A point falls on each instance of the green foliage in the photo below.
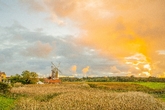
(16, 78)
(114, 79)
(70, 79)
(6, 103)
(4, 88)
(152, 85)
(26, 77)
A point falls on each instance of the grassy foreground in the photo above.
(87, 96)
(6, 103)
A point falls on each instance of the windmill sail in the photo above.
(55, 71)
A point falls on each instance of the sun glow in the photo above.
(146, 73)
(138, 64)
(147, 66)
(162, 75)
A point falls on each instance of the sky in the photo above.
(91, 38)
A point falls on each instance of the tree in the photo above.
(4, 88)
(34, 75)
(16, 78)
(26, 77)
(29, 77)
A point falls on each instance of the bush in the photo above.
(18, 84)
(4, 88)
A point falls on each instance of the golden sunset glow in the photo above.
(87, 54)
(162, 75)
(139, 64)
(124, 36)
(85, 70)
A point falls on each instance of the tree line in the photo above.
(26, 77)
(114, 79)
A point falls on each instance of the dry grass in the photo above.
(82, 97)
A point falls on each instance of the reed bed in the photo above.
(81, 97)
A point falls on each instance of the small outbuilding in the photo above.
(39, 82)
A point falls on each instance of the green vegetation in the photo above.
(158, 87)
(26, 77)
(152, 85)
(114, 79)
(4, 88)
(6, 103)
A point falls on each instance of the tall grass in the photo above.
(82, 97)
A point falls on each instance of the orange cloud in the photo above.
(139, 65)
(85, 70)
(136, 28)
(39, 49)
(114, 69)
(74, 68)
(117, 28)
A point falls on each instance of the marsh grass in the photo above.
(154, 88)
(46, 97)
(120, 87)
(81, 96)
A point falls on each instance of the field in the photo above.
(153, 85)
(88, 96)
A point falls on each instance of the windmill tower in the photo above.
(54, 78)
(55, 71)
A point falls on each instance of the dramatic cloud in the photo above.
(113, 69)
(85, 70)
(139, 65)
(23, 49)
(118, 28)
(74, 68)
(124, 37)
(38, 50)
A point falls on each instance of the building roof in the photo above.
(2, 73)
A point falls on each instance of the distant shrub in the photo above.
(18, 84)
(93, 85)
(4, 88)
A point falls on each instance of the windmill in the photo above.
(54, 78)
(55, 71)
